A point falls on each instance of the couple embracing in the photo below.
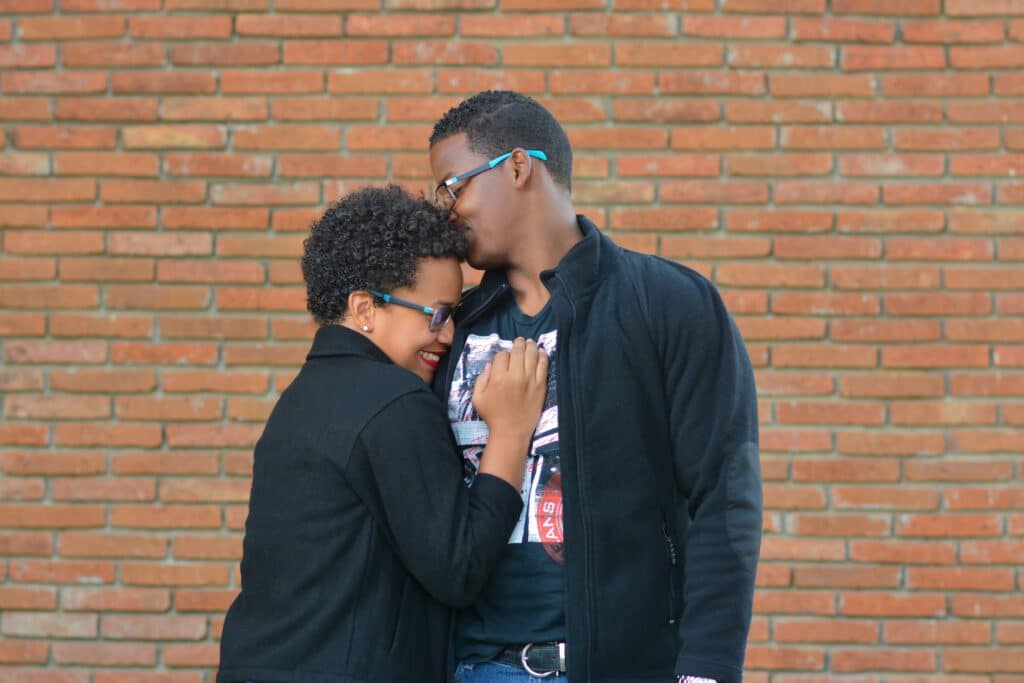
(553, 475)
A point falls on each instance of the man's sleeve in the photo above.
(409, 471)
(712, 407)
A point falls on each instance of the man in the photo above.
(649, 433)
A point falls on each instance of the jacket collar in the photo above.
(582, 267)
(337, 340)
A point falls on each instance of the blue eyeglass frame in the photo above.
(447, 184)
(439, 316)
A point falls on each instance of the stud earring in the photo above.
(366, 328)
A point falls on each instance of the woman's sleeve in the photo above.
(408, 469)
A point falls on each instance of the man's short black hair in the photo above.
(372, 239)
(498, 121)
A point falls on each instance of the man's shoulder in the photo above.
(656, 275)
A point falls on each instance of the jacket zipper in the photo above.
(673, 561)
(577, 422)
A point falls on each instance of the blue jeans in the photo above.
(492, 672)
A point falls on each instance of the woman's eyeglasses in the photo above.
(439, 316)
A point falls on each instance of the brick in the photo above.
(875, 576)
(845, 661)
(97, 54)
(61, 572)
(289, 356)
(207, 548)
(24, 435)
(34, 242)
(845, 525)
(226, 328)
(688, 248)
(23, 651)
(337, 53)
(178, 574)
(27, 56)
(769, 275)
(180, 136)
(822, 247)
(952, 526)
(104, 654)
(105, 164)
(901, 165)
(890, 385)
(984, 660)
(281, 83)
(857, 111)
(87, 352)
(50, 516)
(332, 109)
(54, 83)
(22, 324)
(65, 137)
(966, 8)
(663, 55)
(946, 32)
(214, 218)
(165, 516)
(40, 624)
(808, 85)
(839, 30)
(203, 490)
(180, 28)
(163, 82)
(825, 303)
(937, 304)
(160, 463)
(780, 7)
(153, 627)
(752, 27)
(107, 434)
(778, 112)
(825, 631)
(110, 380)
(890, 220)
(203, 271)
(105, 544)
(958, 471)
(163, 354)
(25, 109)
(189, 381)
(104, 326)
(868, 330)
(780, 164)
(757, 220)
(967, 384)
(260, 194)
(601, 82)
(950, 355)
(935, 632)
(591, 25)
(159, 244)
(830, 356)
(709, 83)
(162, 297)
(826, 192)
(794, 602)
(432, 25)
(226, 54)
(213, 436)
(31, 543)
(214, 109)
(30, 462)
(49, 407)
(787, 56)
(871, 604)
(70, 28)
(104, 217)
(774, 548)
(991, 552)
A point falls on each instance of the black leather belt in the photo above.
(537, 659)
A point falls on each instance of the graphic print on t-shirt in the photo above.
(541, 519)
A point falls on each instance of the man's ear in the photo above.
(362, 310)
(521, 165)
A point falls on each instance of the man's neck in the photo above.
(540, 250)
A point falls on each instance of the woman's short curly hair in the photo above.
(372, 239)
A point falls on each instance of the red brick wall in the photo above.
(845, 170)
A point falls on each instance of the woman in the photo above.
(360, 529)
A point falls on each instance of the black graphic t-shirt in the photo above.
(523, 601)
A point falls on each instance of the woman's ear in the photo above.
(362, 310)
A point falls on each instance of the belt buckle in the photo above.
(523, 660)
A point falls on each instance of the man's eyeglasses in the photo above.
(445, 193)
(439, 316)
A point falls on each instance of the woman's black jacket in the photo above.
(360, 528)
